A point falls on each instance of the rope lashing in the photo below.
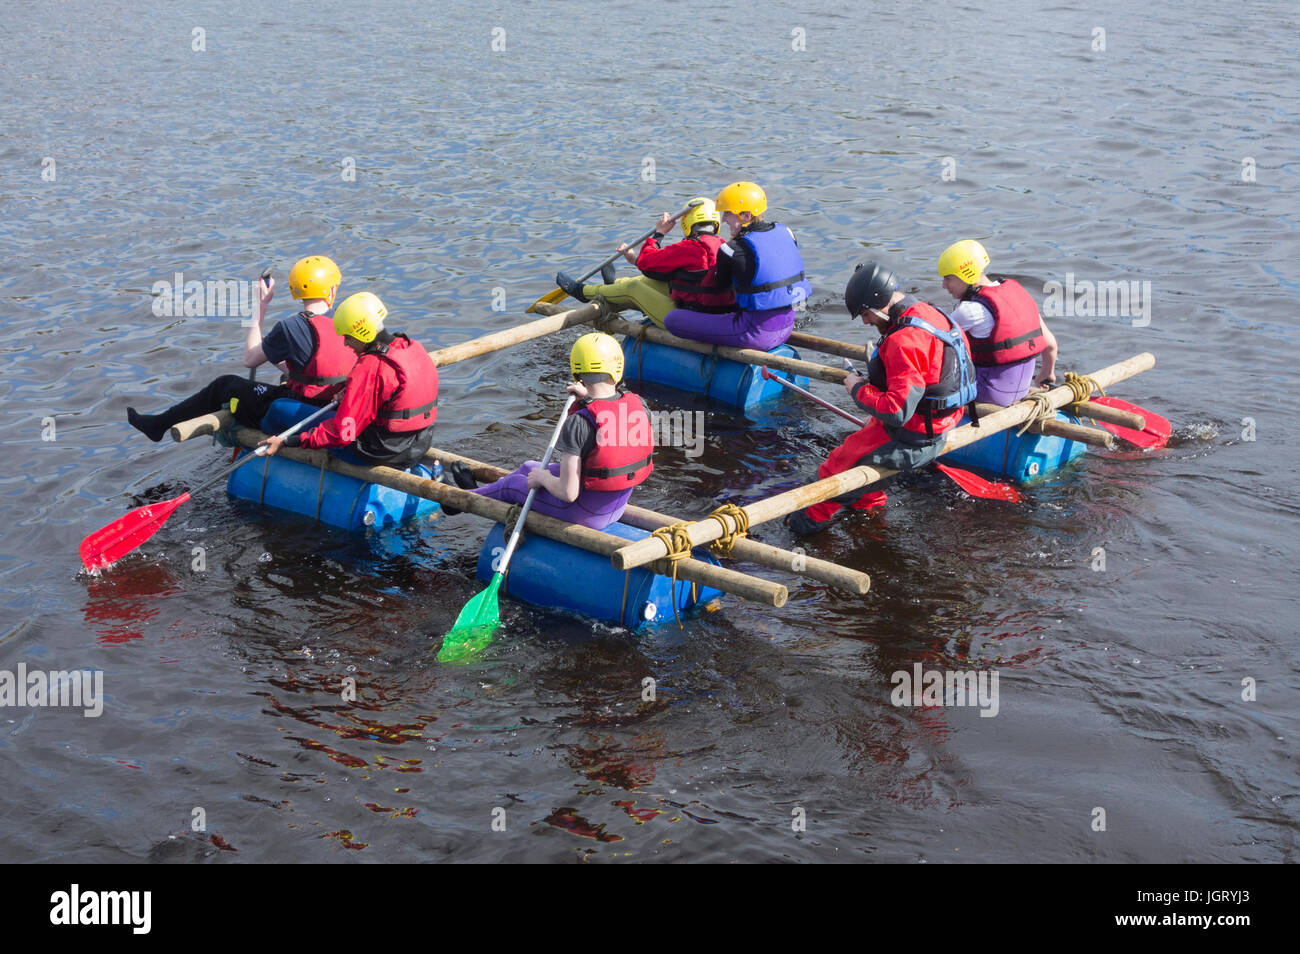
(1081, 386)
(712, 359)
(512, 518)
(677, 541)
(320, 486)
(738, 527)
(1043, 411)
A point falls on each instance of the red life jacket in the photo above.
(699, 289)
(1017, 330)
(414, 405)
(943, 380)
(625, 444)
(321, 378)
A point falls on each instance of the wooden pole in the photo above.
(856, 478)
(219, 420)
(199, 426)
(1111, 415)
(1092, 436)
(558, 321)
(614, 325)
(807, 342)
(695, 571)
(751, 551)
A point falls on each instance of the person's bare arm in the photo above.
(1047, 370)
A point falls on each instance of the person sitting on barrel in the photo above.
(1002, 322)
(918, 384)
(606, 447)
(763, 265)
(305, 346)
(390, 401)
(682, 275)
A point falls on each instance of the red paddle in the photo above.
(973, 484)
(1156, 433)
(109, 544)
(977, 486)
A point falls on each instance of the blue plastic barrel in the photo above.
(1019, 458)
(730, 382)
(331, 498)
(549, 573)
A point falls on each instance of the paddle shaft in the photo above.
(972, 484)
(812, 397)
(618, 255)
(261, 451)
(528, 501)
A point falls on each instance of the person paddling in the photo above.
(606, 447)
(763, 265)
(305, 346)
(681, 275)
(1001, 319)
(918, 384)
(390, 400)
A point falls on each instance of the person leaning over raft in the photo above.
(763, 264)
(390, 400)
(1002, 322)
(305, 346)
(606, 447)
(918, 383)
(681, 275)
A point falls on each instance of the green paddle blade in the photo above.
(474, 626)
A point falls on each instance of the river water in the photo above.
(451, 158)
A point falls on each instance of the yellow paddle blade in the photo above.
(552, 298)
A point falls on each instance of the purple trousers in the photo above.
(1004, 384)
(761, 330)
(596, 509)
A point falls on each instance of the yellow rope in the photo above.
(738, 527)
(1043, 410)
(1081, 386)
(512, 518)
(677, 541)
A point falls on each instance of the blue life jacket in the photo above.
(778, 280)
(956, 385)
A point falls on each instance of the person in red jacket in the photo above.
(676, 276)
(390, 401)
(304, 346)
(918, 383)
(606, 447)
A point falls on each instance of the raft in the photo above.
(1018, 458)
(555, 575)
(542, 572)
(333, 499)
(728, 382)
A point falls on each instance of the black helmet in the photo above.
(870, 286)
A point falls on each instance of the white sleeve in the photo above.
(974, 318)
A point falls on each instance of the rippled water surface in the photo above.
(1169, 156)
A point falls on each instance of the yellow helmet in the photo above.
(597, 353)
(360, 316)
(706, 211)
(965, 259)
(314, 277)
(742, 197)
